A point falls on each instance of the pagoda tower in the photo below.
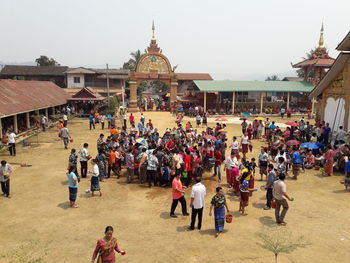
(316, 65)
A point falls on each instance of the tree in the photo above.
(279, 241)
(132, 62)
(311, 73)
(46, 61)
(272, 78)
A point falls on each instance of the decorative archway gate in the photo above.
(153, 65)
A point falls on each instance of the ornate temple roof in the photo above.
(319, 56)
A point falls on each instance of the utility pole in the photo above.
(107, 84)
(123, 96)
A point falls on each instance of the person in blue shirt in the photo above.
(140, 127)
(296, 159)
(272, 126)
(92, 121)
(72, 186)
(326, 133)
(109, 118)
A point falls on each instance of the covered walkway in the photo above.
(253, 92)
(22, 102)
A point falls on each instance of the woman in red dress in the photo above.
(329, 157)
(104, 251)
(250, 131)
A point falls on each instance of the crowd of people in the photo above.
(179, 157)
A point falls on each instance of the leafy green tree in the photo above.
(277, 241)
(132, 62)
(272, 78)
(46, 61)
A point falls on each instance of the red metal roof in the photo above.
(318, 62)
(193, 76)
(18, 96)
(86, 94)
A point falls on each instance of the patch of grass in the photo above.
(30, 251)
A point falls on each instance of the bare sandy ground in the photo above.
(37, 224)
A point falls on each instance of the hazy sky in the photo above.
(229, 38)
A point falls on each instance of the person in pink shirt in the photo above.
(178, 192)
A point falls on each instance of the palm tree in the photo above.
(132, 63)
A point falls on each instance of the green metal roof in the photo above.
(258, 86)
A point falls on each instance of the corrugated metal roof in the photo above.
(20, 70)
(193, 76)
(18, 96)
(259, 86)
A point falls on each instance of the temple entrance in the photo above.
(153, 95)
(153, 67)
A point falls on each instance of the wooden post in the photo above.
(28, 120)
(288, 94)
(15, 124)
(261, 102)
(0, 128)
(53, 111)
(205, 102)
(47, 113)
(233, 102)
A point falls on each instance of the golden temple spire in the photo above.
(321, 41)
(153, 28)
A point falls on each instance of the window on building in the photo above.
(76, 79)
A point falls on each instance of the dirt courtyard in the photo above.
(37, 224)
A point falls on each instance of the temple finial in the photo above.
(321, 41)
(153, 28)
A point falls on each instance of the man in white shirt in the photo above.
(11, 136)
(84, 156)
(65, 119)
(5, 172)
(281, 196)
(43, 122)
(197, 203)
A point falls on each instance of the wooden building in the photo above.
(96, 79)
(333, 92)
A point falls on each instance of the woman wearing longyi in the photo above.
(104, 251)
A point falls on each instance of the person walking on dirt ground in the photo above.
(72, 186)
(11, 137)
(92, 121)
(65, 136)
(5, 173)
(197, 203)
(178, 192)
(95, 182)
(281, 196)
(73, 162)
(84, 156)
